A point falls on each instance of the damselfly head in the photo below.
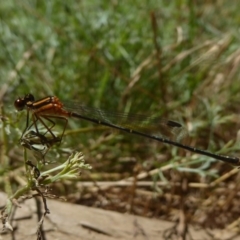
(20, 103)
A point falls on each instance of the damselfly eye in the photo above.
(20, 104)
(29, 98)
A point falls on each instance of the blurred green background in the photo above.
(179, 59)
